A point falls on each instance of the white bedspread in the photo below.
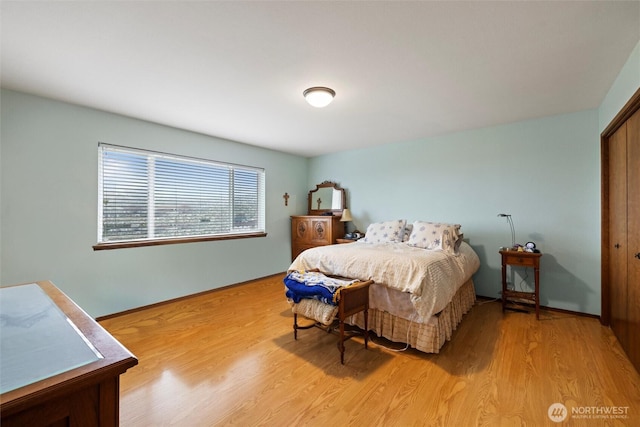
(431, 277)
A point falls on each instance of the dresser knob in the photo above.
(637, 255)
(617, 246)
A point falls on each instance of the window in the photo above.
(146, 197)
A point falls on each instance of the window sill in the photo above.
(158, 242)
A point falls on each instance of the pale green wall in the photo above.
(544, 172)
(49, 209)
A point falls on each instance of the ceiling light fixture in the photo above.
(319, 96)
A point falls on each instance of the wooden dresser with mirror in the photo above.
(321, 226)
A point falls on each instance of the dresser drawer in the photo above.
(312, 231)
(309, 231)
(523, 260)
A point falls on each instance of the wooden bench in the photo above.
(353, 299)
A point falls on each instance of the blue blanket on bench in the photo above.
(314, 285)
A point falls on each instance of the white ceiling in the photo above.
(401, 70)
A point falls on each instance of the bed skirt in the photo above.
(428, 337)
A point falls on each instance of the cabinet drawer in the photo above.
(524, 261)
(308, 231)
(316, 231)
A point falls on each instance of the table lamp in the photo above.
(513, 231)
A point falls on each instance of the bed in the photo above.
(422, 275)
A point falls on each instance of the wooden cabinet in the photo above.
(621, 228)
(309, 231)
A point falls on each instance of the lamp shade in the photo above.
(346, 216)
(319, 96)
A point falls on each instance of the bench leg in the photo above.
(295, 326)
(341, 342)
(366, 328)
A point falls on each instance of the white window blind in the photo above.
(145, 195)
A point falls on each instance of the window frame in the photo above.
(155, 241)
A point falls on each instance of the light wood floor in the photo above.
(229, 358)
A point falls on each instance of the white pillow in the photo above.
(436, 235)
(388, 231)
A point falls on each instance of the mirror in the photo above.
(327, 197)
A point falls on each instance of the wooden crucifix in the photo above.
(286, 199)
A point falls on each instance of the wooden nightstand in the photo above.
(345, 240)
(522, 259)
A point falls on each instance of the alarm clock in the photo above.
(530, 247)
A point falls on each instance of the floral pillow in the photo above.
(436, 235)
(388, 231)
